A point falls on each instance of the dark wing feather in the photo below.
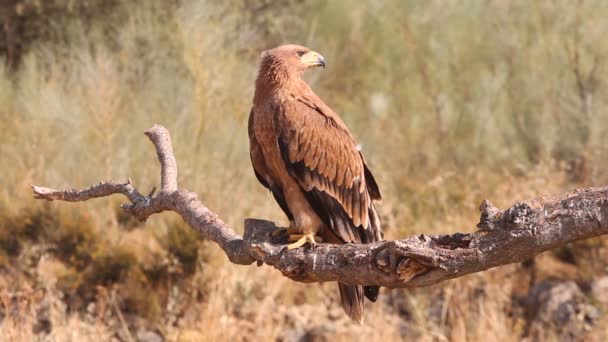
(321, 154)
(372, 186)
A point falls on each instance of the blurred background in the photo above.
(453, 102)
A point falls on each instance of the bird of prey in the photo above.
(305, 155)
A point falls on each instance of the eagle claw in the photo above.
(302, 239)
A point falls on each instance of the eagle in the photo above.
(302, 151)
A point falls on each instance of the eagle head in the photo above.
(293, 58)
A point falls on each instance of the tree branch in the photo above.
(503, 236)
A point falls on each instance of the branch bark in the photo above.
(503, 236)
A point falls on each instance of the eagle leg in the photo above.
(289, 231)
(296, 237)
(302, 239)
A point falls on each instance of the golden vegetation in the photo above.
(452, 102)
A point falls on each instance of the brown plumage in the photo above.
(303, 152)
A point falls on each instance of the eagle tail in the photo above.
(353, 297)
(353, 301)
(371, 292)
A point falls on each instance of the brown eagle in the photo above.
(303, 152)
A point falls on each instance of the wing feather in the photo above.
(322, 156)
(356, 202)
(261, 170)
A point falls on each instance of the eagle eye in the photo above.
(301, 53)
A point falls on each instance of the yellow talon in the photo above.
(301, 240)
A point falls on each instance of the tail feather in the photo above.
(353, 297)
(353, 301)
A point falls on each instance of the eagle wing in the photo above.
(261, 170)
(321, 154)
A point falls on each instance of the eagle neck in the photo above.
(278, 81)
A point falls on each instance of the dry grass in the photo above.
(452, 103)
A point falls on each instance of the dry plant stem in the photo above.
(503, 236)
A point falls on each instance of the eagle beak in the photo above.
(312, 59)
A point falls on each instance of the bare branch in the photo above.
(504, 236)
(161, 139)
(100, 190)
